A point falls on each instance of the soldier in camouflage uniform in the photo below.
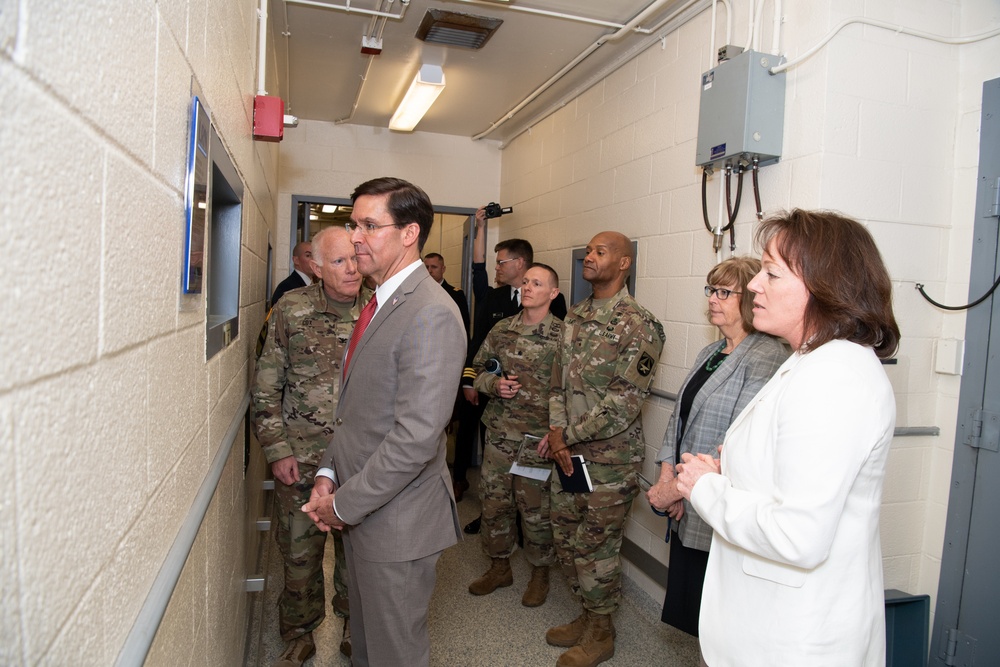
(525, 346)
(600, 379)
(294, 396)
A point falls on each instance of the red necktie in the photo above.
(367, 313)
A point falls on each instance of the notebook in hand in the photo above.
(527, 453)
(579, 481)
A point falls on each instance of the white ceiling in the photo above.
(320, 68)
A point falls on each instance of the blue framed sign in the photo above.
(196, 199)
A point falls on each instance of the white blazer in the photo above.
(795, 569)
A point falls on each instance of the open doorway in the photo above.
(451, 234)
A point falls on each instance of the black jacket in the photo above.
(291, 282)
(492, 305)
(458, 295)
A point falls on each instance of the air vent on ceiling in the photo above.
(453, 29)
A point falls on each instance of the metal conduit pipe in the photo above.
(712, 53)
(675, 20)
(775, 29)
(262, 47)
(545, 12)
(375, 30)
(887, 26)
(627, 28)
(353, 10)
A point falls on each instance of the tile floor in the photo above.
(495, 630)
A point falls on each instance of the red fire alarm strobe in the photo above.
(268, 118)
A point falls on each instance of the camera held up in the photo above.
(494, 210)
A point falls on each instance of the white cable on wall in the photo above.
(887, 26)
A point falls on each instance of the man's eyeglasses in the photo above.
(367, 228)
(504, 261)
(723, 294)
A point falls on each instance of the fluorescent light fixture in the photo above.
(425, 88)
(313, 216)
(329, 208)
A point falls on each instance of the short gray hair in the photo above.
(317, 241)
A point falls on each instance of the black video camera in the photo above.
(494, 210)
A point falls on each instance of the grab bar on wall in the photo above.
(140, 638)
(659, 393)
(900, 432)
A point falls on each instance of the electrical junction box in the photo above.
(268, 118)
(742, 111)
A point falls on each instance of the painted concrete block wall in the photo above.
(880, 126)
(330, 160)
(109, 413)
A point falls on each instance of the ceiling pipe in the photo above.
(672, 22)
(621, 32)
(353, 10)
(545, 12)
(375, 29)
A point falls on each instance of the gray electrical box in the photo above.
(742, 111)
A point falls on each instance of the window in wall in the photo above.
(224, 231)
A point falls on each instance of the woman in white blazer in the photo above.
(795, 569)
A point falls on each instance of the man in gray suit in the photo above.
(386, 483)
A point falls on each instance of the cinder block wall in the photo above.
(880, 126)
(109, 413)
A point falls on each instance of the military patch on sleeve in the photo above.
(642, 367)
(645, 365)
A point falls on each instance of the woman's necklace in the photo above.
(709, 365)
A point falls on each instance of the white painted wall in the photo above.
(880, 126)
(330, 160)
(109, 413)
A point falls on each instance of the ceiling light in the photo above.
(313, 216)
(329, 208)
(426, 86)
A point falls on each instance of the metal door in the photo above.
(968, 606)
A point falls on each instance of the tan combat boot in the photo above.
(298, 651)
(596, 645)
(498, 576)
(538, 587)
(569, 634)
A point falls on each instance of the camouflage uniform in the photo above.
(600, 379)
(294, 399)
(526, 351)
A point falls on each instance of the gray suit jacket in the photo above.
(388, 446)
(723, 396)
